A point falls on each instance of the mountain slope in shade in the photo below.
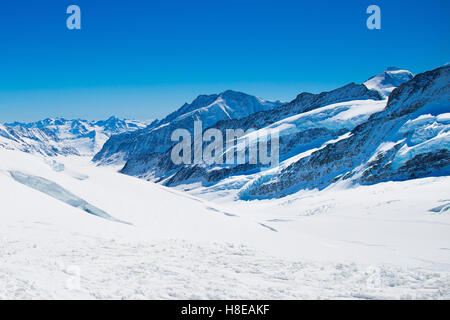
(65, 137)
(388, 80)
(156, 138)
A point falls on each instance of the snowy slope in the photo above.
(138, 202)
(327, 244)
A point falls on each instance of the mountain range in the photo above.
(156, 138)
(340, 222)
(58, 136)
(395, 126)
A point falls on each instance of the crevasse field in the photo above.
(72, 230)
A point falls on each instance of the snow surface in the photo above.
(390, 240)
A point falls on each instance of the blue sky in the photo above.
(144, 59)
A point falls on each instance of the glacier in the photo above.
(383, 241)
(56, 191)
(358, 207)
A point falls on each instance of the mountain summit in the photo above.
(155, 139)
(388, 80)
(212, 108)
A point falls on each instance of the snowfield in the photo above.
(386, 241)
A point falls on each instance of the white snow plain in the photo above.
(387, 241)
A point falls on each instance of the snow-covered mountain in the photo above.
(157, 165)
(346, 219)
(63, 137)
(388, 80)
(322, 140)
(303, 124)
(155, 139)
(348, 134)
(409, 139)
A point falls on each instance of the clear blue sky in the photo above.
(143, 59)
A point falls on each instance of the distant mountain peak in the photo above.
(53, 136)
(228, 104)
(209, 109)
(388, 80)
